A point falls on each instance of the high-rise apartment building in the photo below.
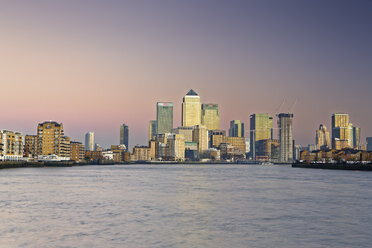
(236, 128)
(191, 109)
(356, 137)
(285, 125)
(153, 126)
(89, 141)
(210, 117)
(341, 130)
(124, 136)
(51, 139)
(322, 139)
(12, 146)
(261, 128)
(369, 143)
(164, 117)
(200, 135)
(30, 147)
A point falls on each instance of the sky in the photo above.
(94, 65)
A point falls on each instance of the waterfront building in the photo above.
(94, 156)
(200, 135)
(369, 143)
(210, 117)
(238, 142)
(65, 149)
(236, 128)
(185, 131)
(341, 134)
(141, 153)
(89, 141)
(275, 150)
(153, 126)
(124, 136)
(51, 139)
(11, 148)
(77, 151)
(322, 139)
(229, 152)
(191, 109)
(285, 124)
(261, 128)
(30, 146)
(164, 117)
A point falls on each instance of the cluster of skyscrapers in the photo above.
(198, 138)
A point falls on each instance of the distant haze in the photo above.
(94, 65)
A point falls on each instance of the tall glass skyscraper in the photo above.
(164, 117)
(153, 126)
(286, 137)
(191, 109)
(341, 130)
(236, 128)
(261, 128)
(210, 117)
(124, 136)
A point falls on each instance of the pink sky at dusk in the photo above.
(94, 66)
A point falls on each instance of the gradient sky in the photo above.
(96, 64)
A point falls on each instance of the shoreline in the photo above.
(334, 166)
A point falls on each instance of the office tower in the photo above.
(237, 142)
(89, 141)
(341, 131)
(285, 124)
(200, 135)
(124, 136)
(216, 137)
(369, 143)
(322, 139)
(77, 151)
(152, 129)
(30, 146)
(210, 117)
(50, 138)
(261, 128)
(191, 109)
(176, 146)
(236, 128)
(11, 145)
(164, 117)
(356, 137)
(185, 131)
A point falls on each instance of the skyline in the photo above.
(95, 66)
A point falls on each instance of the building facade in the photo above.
(285, 124)
(77, 151)
(89, 141)
(210, 116)
(124, 136)
(341, 131)
(30, 147)
(11, 148)
(322, 139)
(261, 128)
(236, 128)
(164, 117)
(200, 135)
(50, 139)
(153, 126)
(191, 109)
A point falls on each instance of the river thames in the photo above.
(185, 206)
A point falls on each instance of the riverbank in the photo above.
(334, 166)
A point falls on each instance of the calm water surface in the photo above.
(185, 206)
